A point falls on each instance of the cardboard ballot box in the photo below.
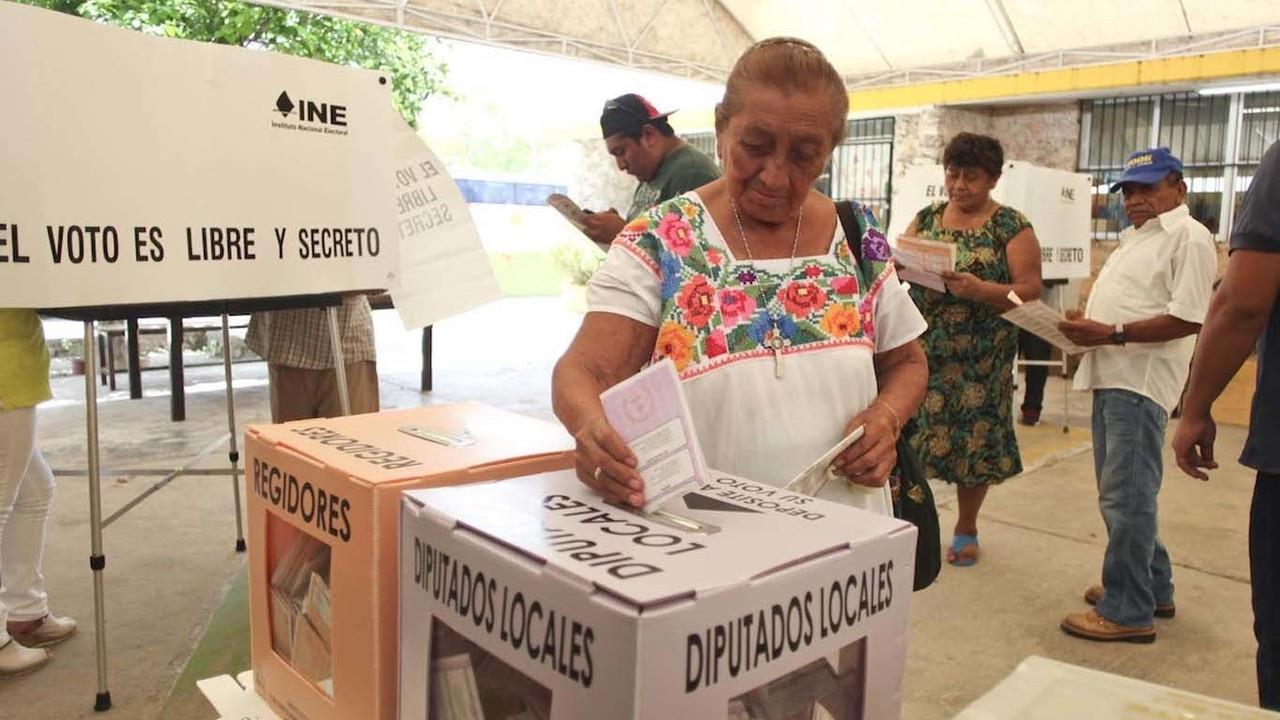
(324, 507)
(533, 599)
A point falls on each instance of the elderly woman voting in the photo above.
(784, 345)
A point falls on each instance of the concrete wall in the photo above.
(1047, 135)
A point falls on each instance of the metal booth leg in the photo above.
(233, 453)
(339, 362)
(97, 560)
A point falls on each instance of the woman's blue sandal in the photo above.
(958, 544)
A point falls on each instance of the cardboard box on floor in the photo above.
(1050, 690)
(324, 509)
(532, 599)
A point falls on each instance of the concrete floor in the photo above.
(171, 560)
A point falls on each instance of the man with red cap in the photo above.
(644, 145)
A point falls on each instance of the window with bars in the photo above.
(1220, 139)
(705, 142)
(860, 168)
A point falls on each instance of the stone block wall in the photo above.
(1045, 134)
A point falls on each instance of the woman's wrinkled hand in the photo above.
(871, 459)
(605, 463)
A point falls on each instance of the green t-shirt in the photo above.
(682, 170)
(24, 360)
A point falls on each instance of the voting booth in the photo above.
(533, 598)
(186, 177)
(1055, 201)
(1058, 204)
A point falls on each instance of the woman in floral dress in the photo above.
(964, 429)
(783, 343)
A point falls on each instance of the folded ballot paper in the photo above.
(812, 479)
(651, 414)
(301, 619)
(1038, 318)
(922, 261)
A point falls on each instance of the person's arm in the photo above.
(1023, 252)
(1237, 315)
(607, 349)
(1194, 266)
(1162, 328)
(901, 374)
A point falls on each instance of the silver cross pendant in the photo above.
(777, 343)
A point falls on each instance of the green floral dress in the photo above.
(964, 429)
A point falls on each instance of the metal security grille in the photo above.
(1219, 138)
(704, 141)
(860, 168)
(1259, 130)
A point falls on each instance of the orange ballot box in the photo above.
(324, 514)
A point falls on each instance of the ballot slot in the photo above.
(439, 436)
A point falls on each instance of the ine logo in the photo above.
(284, 105)
(311, 112)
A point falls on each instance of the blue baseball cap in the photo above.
(1148, 167)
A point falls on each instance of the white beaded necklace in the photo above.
(776, 342)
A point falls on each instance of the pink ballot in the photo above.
(650, 413)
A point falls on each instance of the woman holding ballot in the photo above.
(26, 496)
(964, 430)
(784, 344)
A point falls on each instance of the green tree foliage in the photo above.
(407, 58)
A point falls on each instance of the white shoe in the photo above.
(51, 631)
(16, 659)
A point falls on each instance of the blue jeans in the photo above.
(1128, 437)
(1264, 565)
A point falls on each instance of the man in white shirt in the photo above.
(1145, 307)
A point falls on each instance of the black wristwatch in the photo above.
(1117, 335)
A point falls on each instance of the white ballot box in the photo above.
(533, 598)
(1049, 690)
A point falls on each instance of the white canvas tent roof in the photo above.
(872, 42)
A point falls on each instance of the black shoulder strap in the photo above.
(849, 221)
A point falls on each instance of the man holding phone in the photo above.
(644, 145)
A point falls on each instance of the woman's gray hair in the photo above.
(790, 65)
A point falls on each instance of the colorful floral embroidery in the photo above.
(841, 320)
(717, 344)
(671, 267)
(676, 233)
(675, 342)
(736, 306)
(802, 298)
(715, 311)
(844, 285)
(698, 300)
